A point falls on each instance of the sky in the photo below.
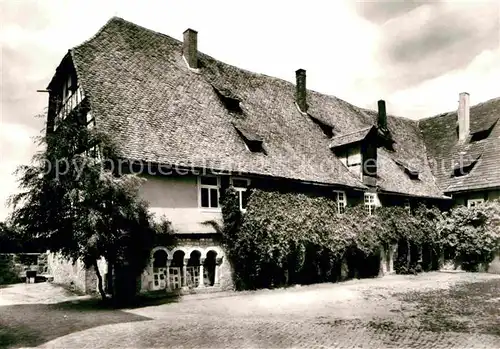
(416, 55)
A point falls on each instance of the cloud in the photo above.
(431, 40)
(418, 55)
(17, 146)
(380, 12)
(480, 78)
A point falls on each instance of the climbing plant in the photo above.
(285, 238)
(471, 236)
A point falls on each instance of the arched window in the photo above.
(209, 266)
(160, 259)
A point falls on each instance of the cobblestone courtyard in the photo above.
(359, 313)
(438, 310)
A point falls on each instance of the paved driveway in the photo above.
(359, 313)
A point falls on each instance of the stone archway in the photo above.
(177, 271)
(194, 270)
(210, 267)
(160, 272)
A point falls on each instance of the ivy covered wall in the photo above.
(287, 238)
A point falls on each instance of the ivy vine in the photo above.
(286, 238)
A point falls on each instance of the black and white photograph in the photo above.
(249, 174)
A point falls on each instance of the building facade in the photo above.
(196, 125)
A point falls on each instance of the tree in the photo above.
(9, 241)
(75, 200)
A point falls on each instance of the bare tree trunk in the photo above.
(99, 281)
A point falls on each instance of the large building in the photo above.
(194, 125)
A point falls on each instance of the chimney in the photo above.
(190, 48)
(301, 93)
(382, 116)
(463, 116)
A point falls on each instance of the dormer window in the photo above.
(482, 134)
(253, 141)
(358, 152)
(353, 160)
(411, 172)
(465, 167)
(230, 101)
(328, 130)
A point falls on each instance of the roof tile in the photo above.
(157, 109)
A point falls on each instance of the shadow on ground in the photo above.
(29, 325)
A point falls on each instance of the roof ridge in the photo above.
(188, 106)
(122, 20)
(116, 18)
(356, 131)
(494, 99)
(99, 31)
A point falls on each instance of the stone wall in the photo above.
(494, 266)
(67, 273)
(91, 282)
(14, 266)
(74, 275)
(226, 275)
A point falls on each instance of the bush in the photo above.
(471, 236)
(8, 274)
(286, 238)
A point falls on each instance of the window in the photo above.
(230, 101)
(353, 156)
(341, 201)
(66, 89)
(407, 205)
(253, 141)
(483, 134)
(328, 130)
(241, 187)
(352, 159)
(370, 202)
(474, 202)
(209, 191)
(464, 167)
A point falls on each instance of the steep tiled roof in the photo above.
(159, 110)
(350, 138)
(409, 148)
(248, 133)
(446, 151)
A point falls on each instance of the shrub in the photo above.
(285, 238)
(8, 274)
(471, 235)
